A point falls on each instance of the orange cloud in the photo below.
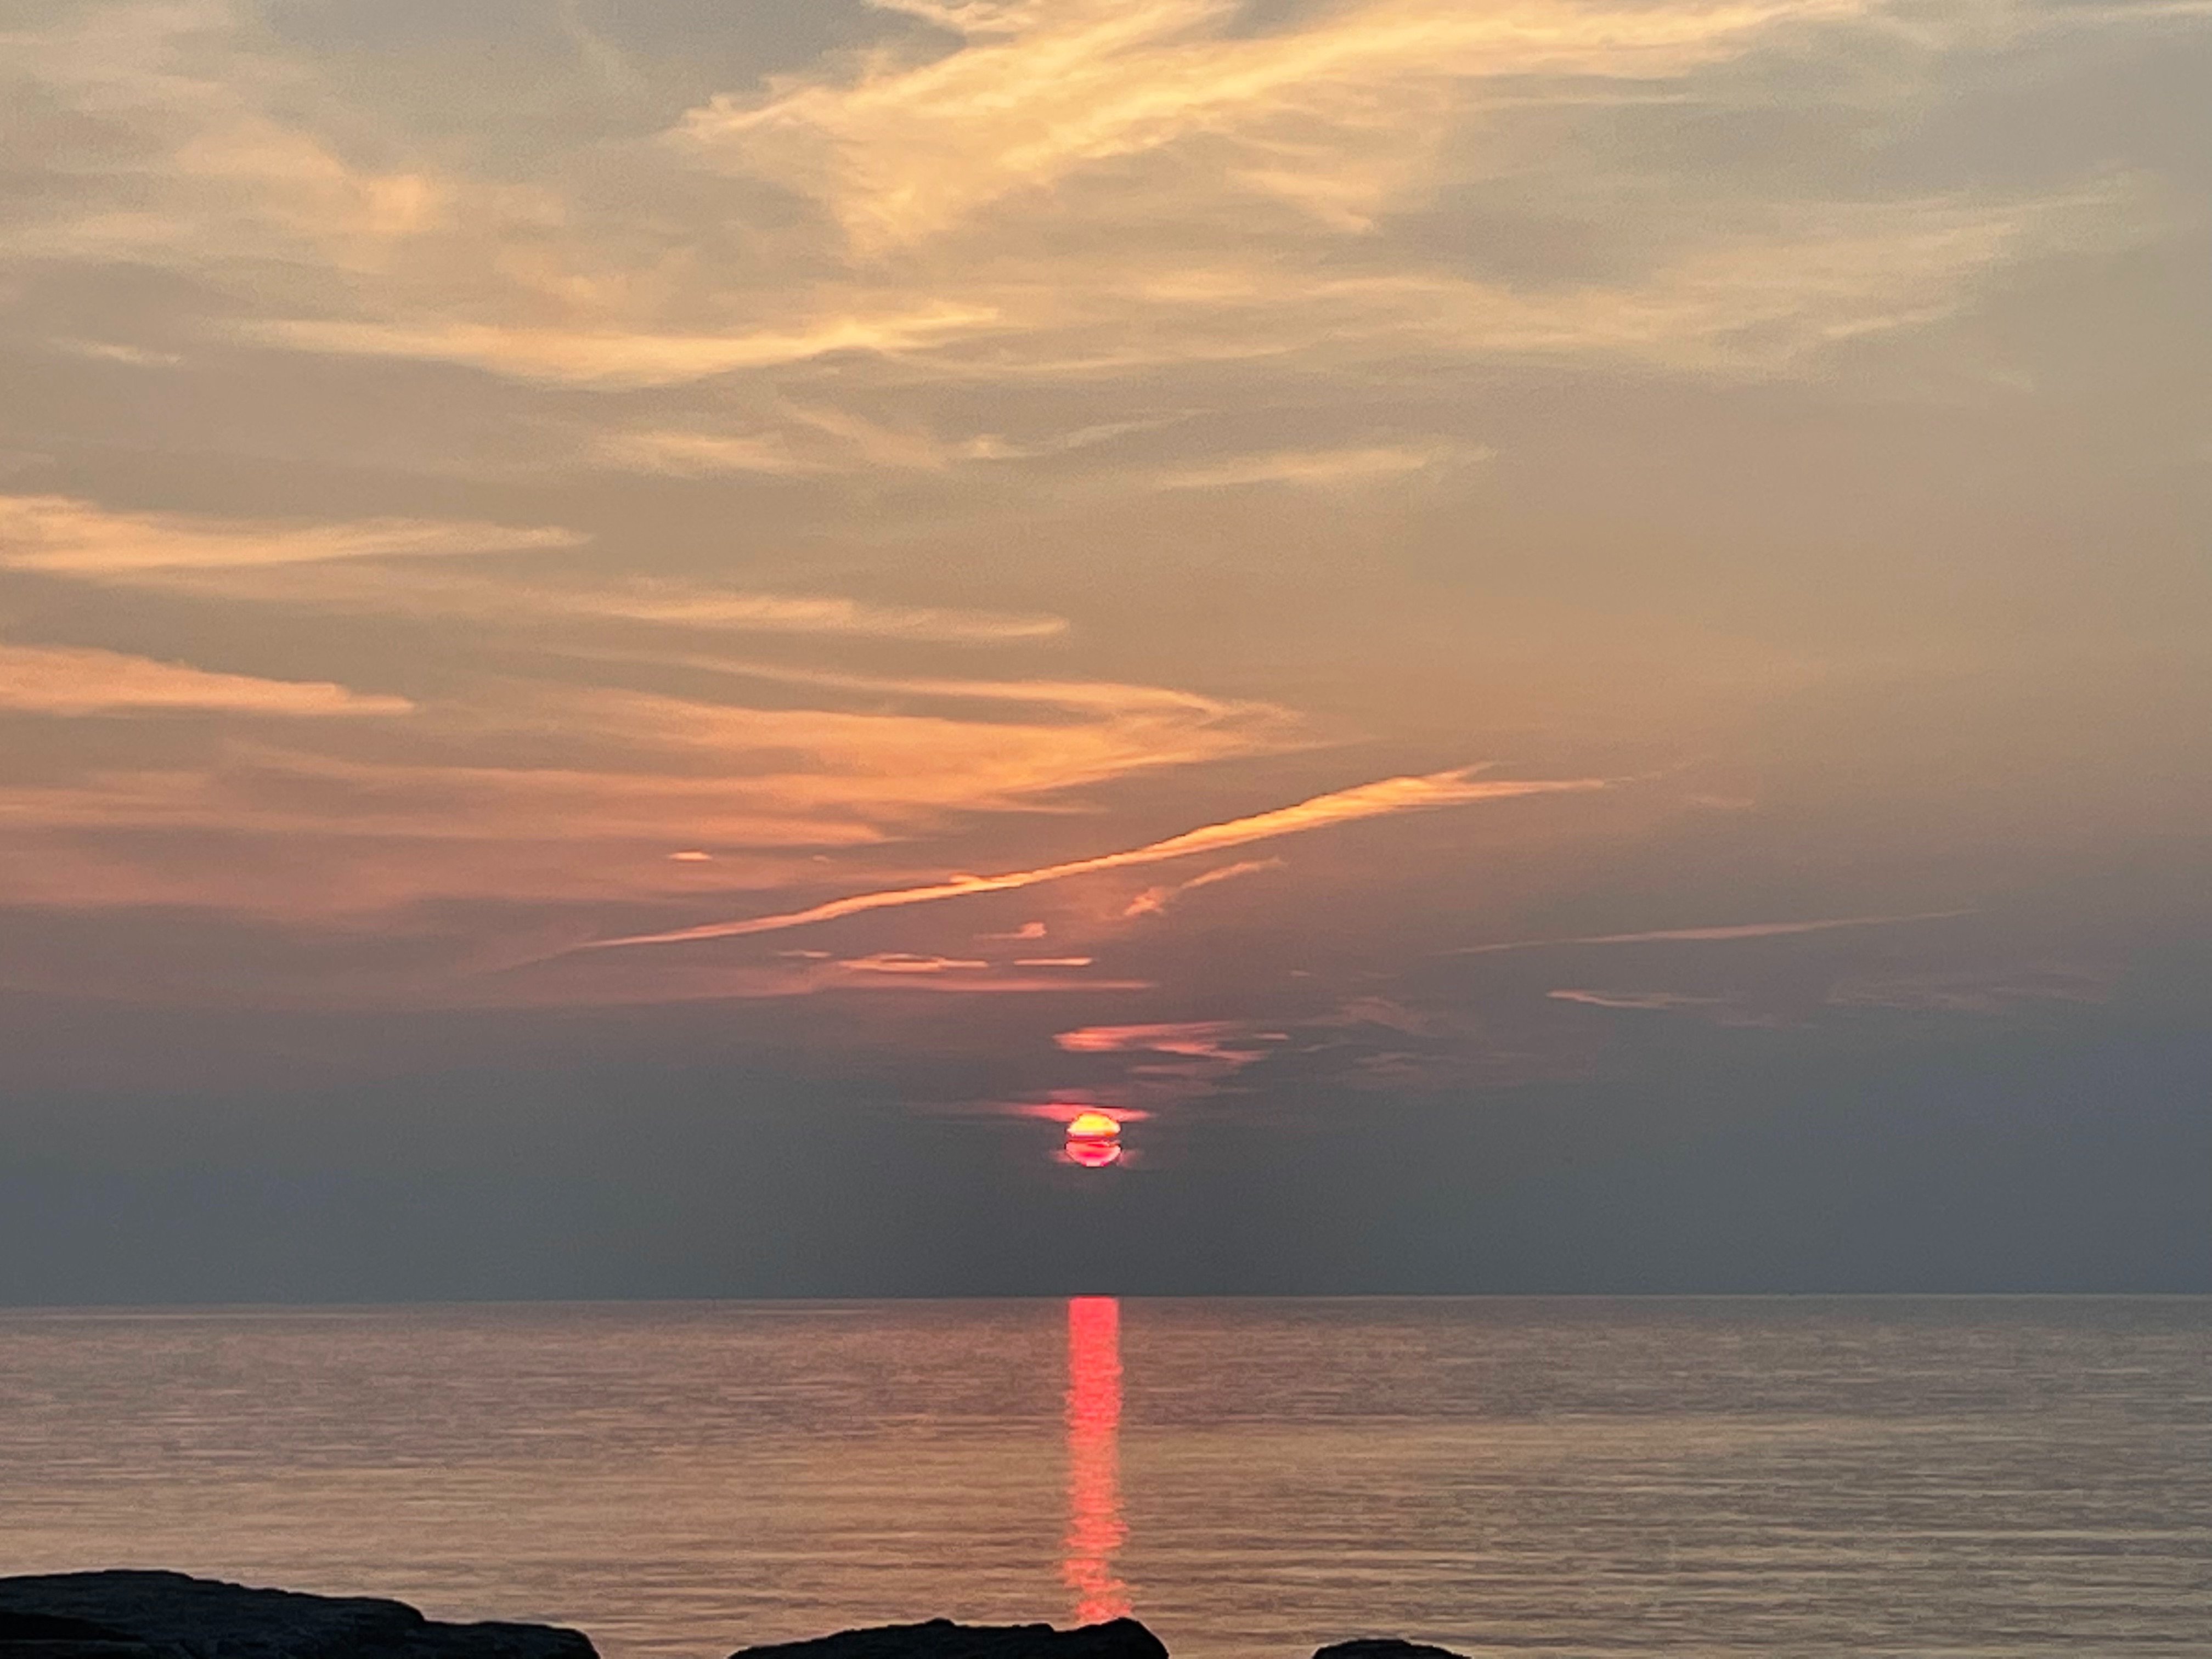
(77, 537)
(1384, 798)
(624, 358)
(901, 962)
(74, 680)
(1154, 901)
(1187, 1058)
(1197, 1039)
(324, 583)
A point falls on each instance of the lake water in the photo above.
(1708, 1478)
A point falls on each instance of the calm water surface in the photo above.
(1769, 1478)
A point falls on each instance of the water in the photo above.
(1706, 1478)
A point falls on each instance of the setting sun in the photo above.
(1093, 1140)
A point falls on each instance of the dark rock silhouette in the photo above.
(124, 1614)
(127, 1614)
(941, 1638)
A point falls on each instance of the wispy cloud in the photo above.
(696, 454)
(884, 764)
(334, 585)
(902, 151)
(582, 790)
(1155, 901)
(76, 680)
(1656, 1001)
(1016, 334)
(902, 962)
(1978, 990)
(1318, 469)
(618, 359)
(1173, 1060)
(76, 538)
(259, 790)
(1710, 935)
(1367, 801)
(1193, 1039)
(817, 439)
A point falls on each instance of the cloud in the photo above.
(1232, 872)
(1332, 117)
(1003, 268)
(264, 790)
(583, 792)
(1981, 990)
(201, 156)
(772, 613)
(76, 680)
(445, 594)
(570, 791)
(901, 962)
(1711, 935)
(814, 439)
(76, 538)
(1986, 989)
(1155, 901)
(1196, 1039)
(887, 764)
(660, 980)
(1131, 187)
(617, 359)
(1640, 999)
(699, 455)
(1383, 798)
(1324, 469)
(1178, 1060)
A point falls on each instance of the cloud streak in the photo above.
(1155, 901)
(76, 538)
(72, 680)
(623, 360)
(337, 585)
(1384, 798)
(1710, 935)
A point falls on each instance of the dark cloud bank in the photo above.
(1940, 1157)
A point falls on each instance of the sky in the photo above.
(1558, 647)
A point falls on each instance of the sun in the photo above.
(1094, 1140)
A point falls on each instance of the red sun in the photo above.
(1094, 1140)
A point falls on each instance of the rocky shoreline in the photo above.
(124, 1613)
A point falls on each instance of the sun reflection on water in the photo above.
(1095, 1529)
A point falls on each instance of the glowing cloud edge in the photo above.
(1383, 797)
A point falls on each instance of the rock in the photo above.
(941, 1638)
(1383, 1647)
(166, 1615)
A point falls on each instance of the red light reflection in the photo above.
(1095, 1531)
